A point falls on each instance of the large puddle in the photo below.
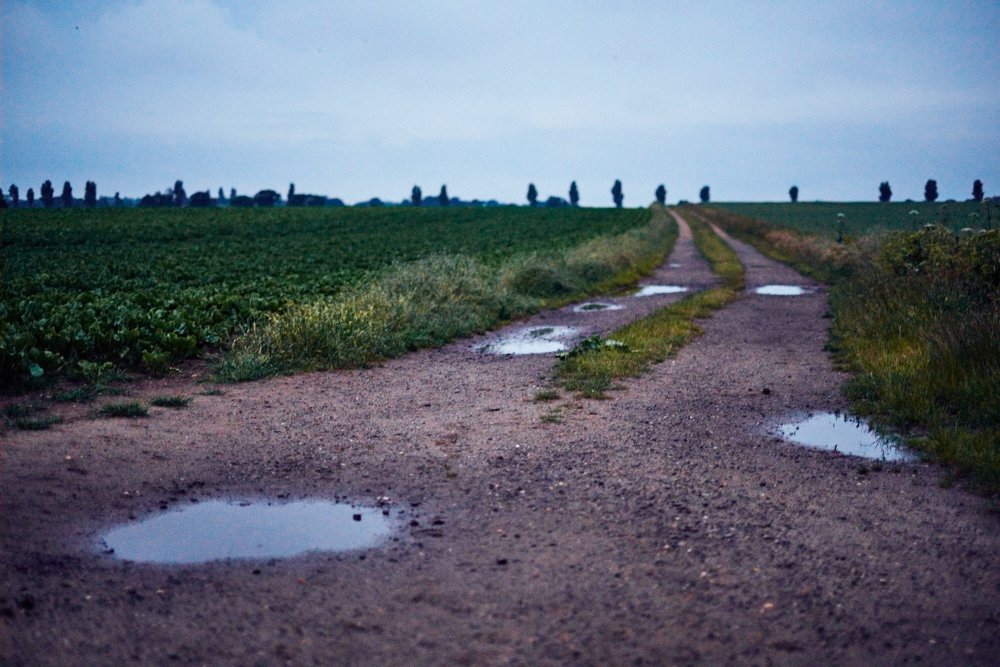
(847, 435)
(781, 290)
(652, 290)
(536, 340)
(592, 306)
(218, 530)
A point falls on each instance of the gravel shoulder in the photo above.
(668, 525)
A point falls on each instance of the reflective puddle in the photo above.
(847, 435)
(651, 290)
(536, 340)
(781, 290)
(218, 530)
(592, 306)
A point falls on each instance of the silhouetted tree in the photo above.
(977, 190)
(930, 190)
(416, 196)
(118, 200)
(616, 193)
(266, 198)
(222, 196)
(180, 197)
(90, 194)
(532, 194)
(556, 202)
(3, 200)
(201, 200)
(31, 198)
(793, 193)
(15, 196)
(884, 191)
(241, 201)
(291, 193)
(705, 194)
(443, 197)
(232, 193)
(67, 195)
(48, 194)
(574, 194)
(661, 194)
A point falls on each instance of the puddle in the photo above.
(781, 290)
(218, 530)
(675, 265)
(536, 340)
(651, 290)
(595, 306)
(847, 435)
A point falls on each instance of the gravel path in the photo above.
(667, 525)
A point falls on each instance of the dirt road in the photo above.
(667, 525)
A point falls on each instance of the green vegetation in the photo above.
(546, 395)
(917, 320)
(142, 288)
(433, 300)
(592, 366)
(170, 401)
(129, 409)
(24, 416)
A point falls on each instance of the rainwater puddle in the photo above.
(596, 306)
(781, 290)
(847, 435)
(536, 340)
(652, 290)
(218, 530)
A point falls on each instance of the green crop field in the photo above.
(860, 218)
(139, 288)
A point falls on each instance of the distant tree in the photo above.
(222, 196)
(201, 200)
(90, 194)
(443, 197)
(180, 197)
(616, 193)
(31, 198)
(705, 194)
(532, 194)
(930, 190)
(3, 200)
(67, 195)
(15, 196)
(884, 191)
(793, 193)
(266, 198)
(48, 194)
(574, 195)
(241, 201)
(416, 196)
(556, 202)
(661, 194)
(232, 193)
(291, 192)
(118, 200)
(977, 190)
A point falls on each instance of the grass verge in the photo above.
(916, 319)
(593, 366)
(434, 300)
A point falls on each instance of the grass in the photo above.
(916, 319)
(127, 409)
(547, 395)
(431, 301)
(24, 417)
(592, 368)
(170, 401)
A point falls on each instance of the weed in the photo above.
(213, 392)
(35, 424)
(547, 395)
(128, 409)
(170, 401)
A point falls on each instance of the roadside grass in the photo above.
(593, 366)
(25, 417)
(175, 402)
(127, 409)
(916, 319)
(431, 301)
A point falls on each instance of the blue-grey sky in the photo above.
(366, 98)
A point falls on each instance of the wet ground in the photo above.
(668, 525)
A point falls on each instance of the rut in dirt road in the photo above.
(667, 525)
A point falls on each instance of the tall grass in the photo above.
(917, 321)
(428, 302)
(592, 368)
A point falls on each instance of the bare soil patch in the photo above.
(665, 526)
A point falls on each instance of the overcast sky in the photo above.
(367, 98)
